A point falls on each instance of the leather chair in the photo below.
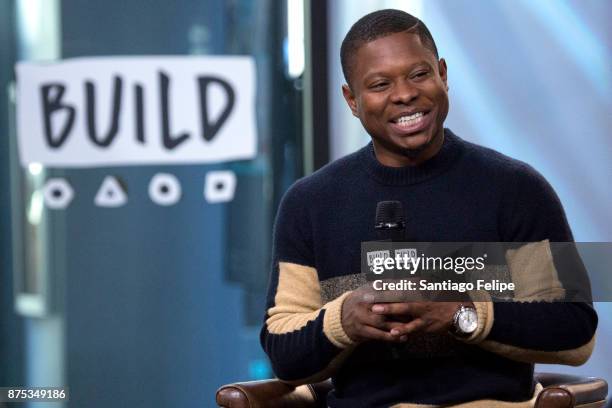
(560, 391)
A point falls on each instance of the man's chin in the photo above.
(413, 153)
(414, 145)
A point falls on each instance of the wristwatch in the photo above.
(465, 321)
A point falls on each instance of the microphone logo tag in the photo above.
(371, 256)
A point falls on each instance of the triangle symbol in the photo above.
(110, 193)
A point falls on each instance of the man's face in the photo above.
(399, 92)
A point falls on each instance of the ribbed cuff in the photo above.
(484, 309)
(332, 323)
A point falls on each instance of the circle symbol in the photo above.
(164, 189)
(57, 193)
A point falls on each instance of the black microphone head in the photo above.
(389, 215)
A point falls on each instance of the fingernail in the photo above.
(394, 332)
(403, 338)
(378, 308)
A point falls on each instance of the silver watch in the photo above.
(465, 321)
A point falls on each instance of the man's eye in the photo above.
(378, 85)
(420, 74)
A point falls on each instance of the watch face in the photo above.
(467, 321)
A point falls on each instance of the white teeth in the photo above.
(409, 120)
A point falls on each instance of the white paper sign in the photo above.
(105, 111)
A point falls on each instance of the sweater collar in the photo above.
(450, 151)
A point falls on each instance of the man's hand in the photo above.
(361, 324)
(427, 317)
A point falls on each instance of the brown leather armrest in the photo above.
(562, 390)
(272, 394)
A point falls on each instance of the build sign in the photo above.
(115, 111)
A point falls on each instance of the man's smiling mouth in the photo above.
(410, 122)
(410, 119)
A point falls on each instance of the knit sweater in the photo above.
(464, 193)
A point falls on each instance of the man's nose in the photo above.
(404, 92)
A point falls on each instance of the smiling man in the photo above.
(321, 320)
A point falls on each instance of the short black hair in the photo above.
(380, 24)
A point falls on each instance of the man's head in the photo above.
(380, 24)
(396, 85)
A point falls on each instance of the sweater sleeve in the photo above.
(540, 325)
(302, 337)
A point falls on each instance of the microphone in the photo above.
(389, 223)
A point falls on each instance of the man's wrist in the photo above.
(484, 308)
(332, 322)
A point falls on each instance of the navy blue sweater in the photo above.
(464, 193)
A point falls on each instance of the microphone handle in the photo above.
(392, 234)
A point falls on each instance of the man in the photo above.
(319, 324)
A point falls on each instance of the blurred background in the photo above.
(151, 306)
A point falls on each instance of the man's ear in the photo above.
(442, 68)
(349, 97)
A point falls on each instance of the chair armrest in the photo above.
(562, 390)
(272, 394)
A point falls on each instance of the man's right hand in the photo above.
(361, 324)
